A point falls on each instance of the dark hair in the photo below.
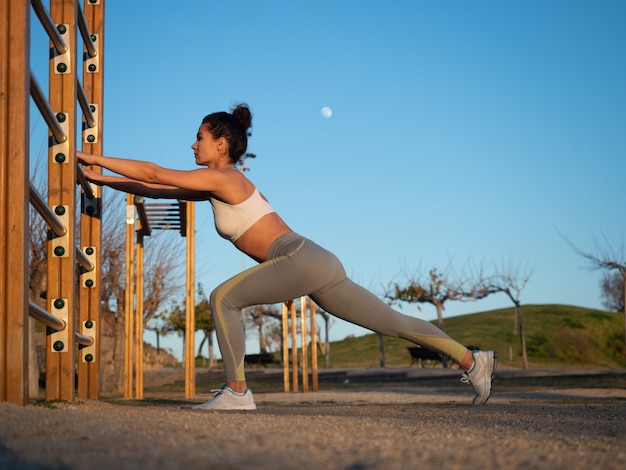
(233, 127)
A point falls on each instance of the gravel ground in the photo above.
(382, 428)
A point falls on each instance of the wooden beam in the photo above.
(91, 211)
(190, 320)
(14, 234)
(61, 362)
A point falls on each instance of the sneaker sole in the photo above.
(239, 408)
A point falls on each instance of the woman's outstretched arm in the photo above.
(139, 188)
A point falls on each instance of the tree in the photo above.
(605, 257)
(174, 320)
(438, 288)
(205, 323)
(612, 291)
(512, 282)
(258, 316)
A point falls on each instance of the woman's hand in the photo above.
(86, 158)
(93, 176)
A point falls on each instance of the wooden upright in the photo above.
(61, 348)
(190, 305)
(14, 118)
(91, 210)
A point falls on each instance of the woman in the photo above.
(289, 266)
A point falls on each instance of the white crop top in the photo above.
(232, 220)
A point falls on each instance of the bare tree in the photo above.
(438, 288)
(603, 256)
(512, 281)
(612, 291)
(164, 261)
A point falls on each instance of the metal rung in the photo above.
(46, 317)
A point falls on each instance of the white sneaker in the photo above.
(226, 399)
(481, 375)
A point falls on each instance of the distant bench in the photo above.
(419, 354)
(263, 359)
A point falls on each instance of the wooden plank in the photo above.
(294, 347)
(139, 285)
(285, 331)
(314, 376)
(129, 299)
(61, 365)
(190, 320)
(14, 131)
(91, 220)
(304, 350)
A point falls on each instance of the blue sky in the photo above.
(460, 131)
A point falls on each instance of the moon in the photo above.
(326, 112)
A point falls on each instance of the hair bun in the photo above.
(242, 113)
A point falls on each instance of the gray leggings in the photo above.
(295, 267)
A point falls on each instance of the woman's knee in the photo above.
(219, 299)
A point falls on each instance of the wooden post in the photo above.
(91, 213)
(138, 317)
(190, 320)
(294, 347)
(313, 346)
(304, 350)
(61, 290)
(285, 331)
(14, 154)
(129, 298)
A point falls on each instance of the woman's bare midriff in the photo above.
(256, 241)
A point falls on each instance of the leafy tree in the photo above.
(173, 320)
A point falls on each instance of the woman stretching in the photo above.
(290, 265)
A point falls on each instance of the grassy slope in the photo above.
(556, 336)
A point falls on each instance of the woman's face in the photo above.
(206, 149)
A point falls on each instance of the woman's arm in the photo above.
(139, 188)
(203, 180)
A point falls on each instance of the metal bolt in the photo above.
(58, 346)
(92, 67)
(61, 67)
(59, 251)
(59, 304)
(59, 210)
(90, 210)
(94, 38)
(88, 357)
(92, 108)
(61, 117)
(91, 139)
(89, 283)
(89, 250)
(61, 29)
(88, 324)
(59, 157)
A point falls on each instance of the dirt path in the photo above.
(385, 428)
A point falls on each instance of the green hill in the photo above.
(556, 336)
